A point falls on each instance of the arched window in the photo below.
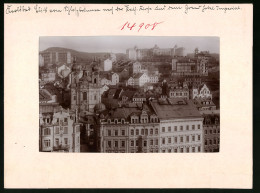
(95, 80)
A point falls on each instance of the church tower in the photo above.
(74, 84)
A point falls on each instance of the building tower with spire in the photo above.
(85, 87)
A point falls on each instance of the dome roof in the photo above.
(99, 107)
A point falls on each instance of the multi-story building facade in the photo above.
(130, 82)
(181, 126)
(132, 53)
(105, 81)
(56, 57)
(139, 54)
(114, 79)
(179, 92)
(184, 67)
(139, 97)
(204, 104)
(211, 129)
(107, 65)
(137, 67)
(153, 78)
(114, 132)
(143, 132)
(58, 132)
(48, 75)
(202, 60)
(129, 130)
(140, 79)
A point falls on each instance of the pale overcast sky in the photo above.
(119, 44)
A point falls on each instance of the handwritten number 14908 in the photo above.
(148, 26)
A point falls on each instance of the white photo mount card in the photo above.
(104, 82)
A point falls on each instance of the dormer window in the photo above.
(122, 121)
(109, 121)
(116, 121)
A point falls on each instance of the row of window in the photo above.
(181, 139)
(182, 150)
(212, 141)
(116, 144)
(85, 97)
(65, 120)
(143, 120)
(116, 121)
(144, 143)
(146, 151)
(59, 130)
(214, 131)
(181, 128)
(48, 120)
(144, 131)
(47, 142)
(115, 132)
(178, 94)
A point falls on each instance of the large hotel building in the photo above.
(165, 125)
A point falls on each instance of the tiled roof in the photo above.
(117, 93)
(199, 102)
(210, 112)
(44, 95)
(168, 111)
(128, 93)
(112, 91)
(139, 95)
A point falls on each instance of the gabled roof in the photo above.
(138, 75)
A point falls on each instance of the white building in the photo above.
(103, 89)
(59, 133)
(130, 81)
(107, 65)
(202, 92)
(114, 79)
(154, 78)
(137, 67)
(132, 53)
(181, 126)
(105, 81)
(41, 60)
(63, 71)
(113, 57)
(140, 79)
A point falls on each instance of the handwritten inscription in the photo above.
(79, 9)
(130, 26)
(11, 9)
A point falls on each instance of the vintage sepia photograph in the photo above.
(129, 94)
